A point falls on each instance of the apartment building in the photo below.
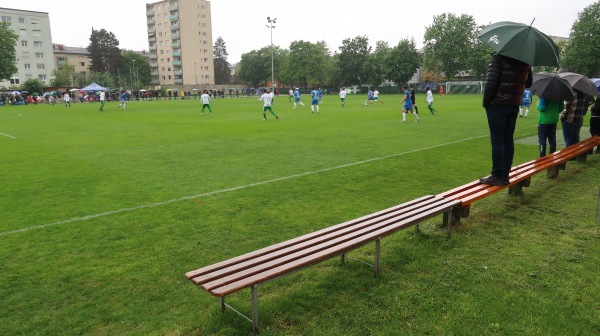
(34, 48)
(180, 42)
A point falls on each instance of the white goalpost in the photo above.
(464, 87)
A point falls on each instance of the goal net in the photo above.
(464, 87)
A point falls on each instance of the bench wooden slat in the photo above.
(307, 243)
(298, 240)
(329, 252)
(261, 264)
(474, 191)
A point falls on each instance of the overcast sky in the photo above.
(241, 24)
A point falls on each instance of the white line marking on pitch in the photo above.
(210, 193)
(6, 135)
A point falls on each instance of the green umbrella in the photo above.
(521, 42)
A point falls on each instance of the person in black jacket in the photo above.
(505, 82)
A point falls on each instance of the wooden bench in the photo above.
(270, 263)
(520, 177)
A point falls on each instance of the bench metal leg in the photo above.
(377, 249)
(255, 308)
(448, 219)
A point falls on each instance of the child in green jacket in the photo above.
(547, 120)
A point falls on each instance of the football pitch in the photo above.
(104, 212)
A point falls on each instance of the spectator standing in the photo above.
(506, 80)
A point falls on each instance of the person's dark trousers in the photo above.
(502, 121)
(570, 133)
(547, 132)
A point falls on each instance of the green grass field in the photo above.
(104, 212)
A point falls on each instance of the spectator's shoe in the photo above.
(493, 181)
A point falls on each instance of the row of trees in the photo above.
(450, 48)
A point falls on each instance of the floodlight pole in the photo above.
(271, 26)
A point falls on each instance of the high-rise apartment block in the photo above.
(180, 42)
(35, 58)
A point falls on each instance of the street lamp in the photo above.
(133, 82)
(271, 25)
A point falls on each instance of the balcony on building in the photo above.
(178, 81)
(154, 64)
(155, 82)
(151, 30)
(178, 72)
(150, 21)
(174, 17)
(151, 39)
(177, 53)
(154, 73)
(150, 12)
(175, 63)
(175, 36)
(153, 56)
(175, 26)
(153, 46)
(173, 8)
(176, 44)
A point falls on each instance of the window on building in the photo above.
(40, 66)
(42, 77)
(37, 33)
(27, 66)
(168, 51)
(26, 54)
(162, 69)
(37, 44)
(22, 32)
(168, 59)
(169, 77)
(82, 63)
(14, 81)
(7, 19)
(39, 55)
(35, 22)
(169, 69)
(163, 77)
(23, 43)
(21, 20)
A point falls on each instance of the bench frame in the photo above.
(268, 264)
(376, 226)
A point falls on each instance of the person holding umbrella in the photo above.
(553, 91)
(547, 120)
(508, 74)
(506, 80)
(572, 118)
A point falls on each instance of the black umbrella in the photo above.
(581, 83)
(551, 86)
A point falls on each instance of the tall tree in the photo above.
(8, 59)
(375, 67)
(136, 70)
(222, 71)
(253, 68)
(353, 55)
(105, 55)
(449, 43)
(402, 62)
(63, 75)
(582, 52)
(306, 63)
